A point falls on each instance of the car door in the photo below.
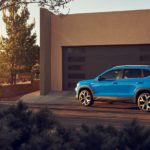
(107, 83)
(130, 80)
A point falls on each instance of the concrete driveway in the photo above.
(52, 98)
(71, 113)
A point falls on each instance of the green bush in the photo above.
(21, 129)
(134, 137)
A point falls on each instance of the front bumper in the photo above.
(76, 92)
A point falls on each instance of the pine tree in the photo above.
(20, 43)
(4, 68)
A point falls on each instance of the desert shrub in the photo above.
(98, 137)
(21, 129)
(134, 137)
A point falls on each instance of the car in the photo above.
(125, 82)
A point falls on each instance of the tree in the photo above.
(4, 67)
(20, 44)
(52, 5)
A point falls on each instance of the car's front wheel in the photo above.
(86, 98)
(143, 101)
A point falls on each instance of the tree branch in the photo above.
(52, 5)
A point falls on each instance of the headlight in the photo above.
(78, 84)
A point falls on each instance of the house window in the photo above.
(145, 58)
(77, 50)
(76, 67)
(76, 59)
(76, 76)
(72, 84)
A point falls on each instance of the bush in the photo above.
(21, 129)
(134, 137)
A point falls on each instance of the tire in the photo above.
(143, 101)
(86, 98)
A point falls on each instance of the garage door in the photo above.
(88, 61)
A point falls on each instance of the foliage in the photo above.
(19, 45)
(52, 5)
(4, 68)
(99, 137)
(21, 129)
(36, 71)
(134, 137)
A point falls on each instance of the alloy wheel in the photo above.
(144, 102)
(85, 97)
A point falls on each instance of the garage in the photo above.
(85, 62)
(81, 46)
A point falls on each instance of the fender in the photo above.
(85, 87)
(139, 90)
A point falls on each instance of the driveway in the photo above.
(71, 113)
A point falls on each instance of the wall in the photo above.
(45, 51)
(111, 28)
(9, 91)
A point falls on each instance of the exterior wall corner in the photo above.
(45, 54)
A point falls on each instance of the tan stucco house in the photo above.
(79, 46)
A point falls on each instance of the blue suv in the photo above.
(128, 82)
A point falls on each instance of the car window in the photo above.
(146, 73)
(132, 73)
(113, 74)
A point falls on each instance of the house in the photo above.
(81, 46)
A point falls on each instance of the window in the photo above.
(145, 57)
(75, 50)
(132, 73)
(145, 48)
(76, 76)
(146, 73)
(113, 74)
(76, 59)
(75, 67)
(72, 84)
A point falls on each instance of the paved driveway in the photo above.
(71, 113)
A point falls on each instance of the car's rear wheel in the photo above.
(86, 98)
(143, 101)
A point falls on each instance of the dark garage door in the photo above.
(88, 61)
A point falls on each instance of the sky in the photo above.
(85, 6)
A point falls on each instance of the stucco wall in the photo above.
(45, 51)
(112, 28)
(9, 91)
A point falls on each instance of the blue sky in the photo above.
(86, 6)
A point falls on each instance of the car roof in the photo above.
(132, 67)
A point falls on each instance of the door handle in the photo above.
(115, 83)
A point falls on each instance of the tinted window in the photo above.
(146, 73)
(132, 73)
(113, 74)
(76, 76)
(76, 67)
(145, 57)
(76, 59)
